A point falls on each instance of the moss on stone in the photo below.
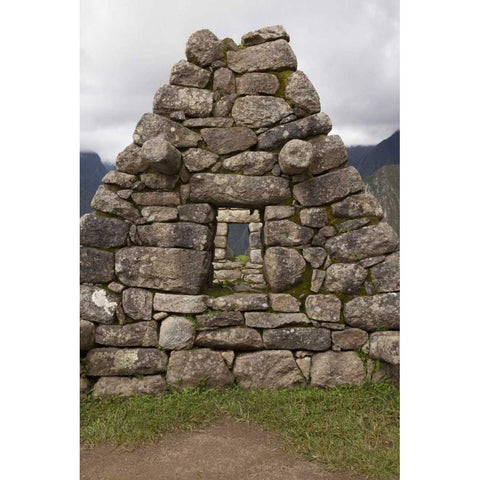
(282, 80)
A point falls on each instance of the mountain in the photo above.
(238, 239)
(368, 159)
(384, 184)
(92, 170)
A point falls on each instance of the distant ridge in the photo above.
(92, 170)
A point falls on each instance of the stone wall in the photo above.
(237, 136)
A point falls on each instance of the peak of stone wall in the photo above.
(237, 136)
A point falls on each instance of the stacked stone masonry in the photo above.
(238, 136)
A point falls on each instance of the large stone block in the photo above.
(274, 320)
(359, 205)
(257, 83)
(166, 302)
(137, 303)
(385, 346)
(96, 266)
(287, 233)
(310, 126)
(295, 157)
(87, 335)
(374, 313)
(345, 278)
(315, 256)
(283, 268)
(223, 82)
(152, 125)
(329, 187)
(193, 102)
(201, 367)
(279, 212)
(301, 94)
(297, 338)
(197, 159)
(130, 160)
(365, 242)
(128, 386)
(220, 319)
(204, 48)
(267, 370)
(328, 152)
(103, 232)
(265, 34)
(239, 302)
(250, 163)
(386, 275)
(238, 190)
(228, 140)
(325, 308)
(162, 156)
(163, 268)
(270, 56)
(108, 201)
(176, 333)
(283, 302)
(125, 361)
(188, 74)
(260, 111)
(330, 369)
(97, 304)
(159, 213)
(350, 338)
(179, 235)
(235, 338)
(141, 334)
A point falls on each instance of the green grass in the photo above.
(349, 429)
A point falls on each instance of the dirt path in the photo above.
(228, 449)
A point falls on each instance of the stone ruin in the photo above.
(237, 136)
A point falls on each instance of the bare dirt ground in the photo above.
(228, 449)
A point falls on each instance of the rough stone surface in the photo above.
(274, 320)
(159, 214)
(271, 56)
(265, 34)
(125, 361)
(283, 268)
(162, 156)
(250, 163)
(187, 74)
(223, 81)
(300, 93)
(279, 212)
(201, 367)
(267, 370)
(204, 48)
(374, 313)
(121, 179)
(166, 302)
(297, 338)
(87, 335)
(362, 243)
(328, 152)
(128, 386)
(385, 346)
(223, 106)
(315, 256)
(176, 333)
(315, 217)
(137, 303)
(238, 190)
(96, 266)
(360, 205)
(237, 338)
(197, 159)
(350, 225)
(257, 83)
(163, 268)
(199, 213)
(229, 140)
(309, 126)
(325, 308)
(295, 157)
(193, 102)
(330, 369)
(239, 302)
(386, 275)
(209, 122)
(140, 334)
(237, 215)
(220, 319)
(283, 302)
(156, 198)
(103, 232)
(179, 235)
(317, 280)
(152, 125)
(350, 339)
(108, 201)
(131, 161)
(159, 181)
(286, 232)
(345, 278)
(329, 187)
(97, 304)
(259, 111)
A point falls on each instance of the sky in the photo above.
(348, 48)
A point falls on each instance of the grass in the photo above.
(348, 428)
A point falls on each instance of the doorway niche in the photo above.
(243, 272)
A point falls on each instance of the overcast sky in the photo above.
(348, 48)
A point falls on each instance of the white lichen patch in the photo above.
(99, 298)
(125, 359)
